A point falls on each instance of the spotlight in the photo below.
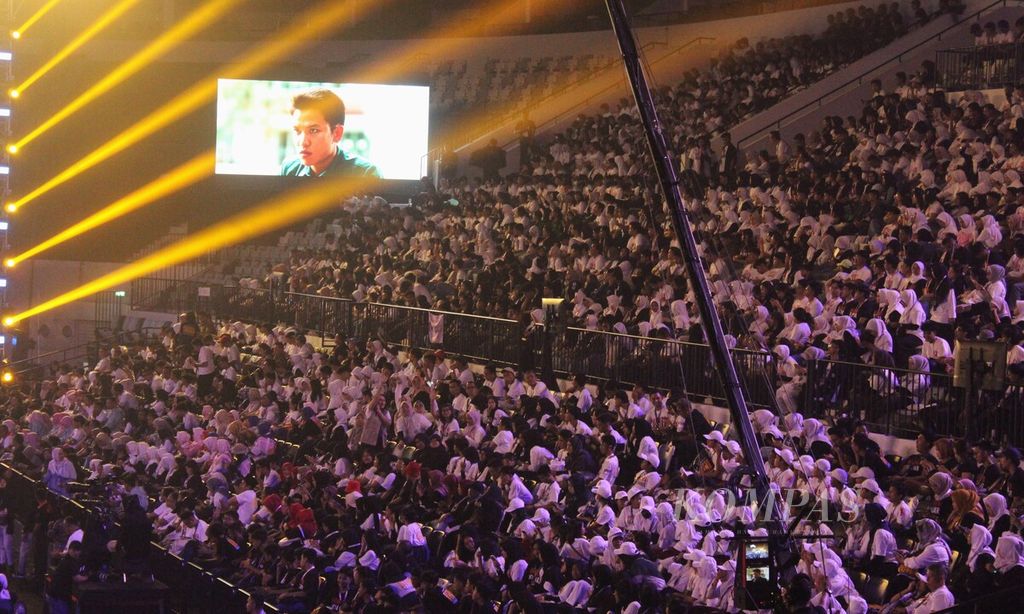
(9, 263)
(11, 208)
(15, 35)
(8, 377)
(14, 93)
(12, 148)
(9, 321)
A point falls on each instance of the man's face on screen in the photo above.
(314, 138)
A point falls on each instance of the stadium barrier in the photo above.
(981, 67)
(194, 589)
(893, 401)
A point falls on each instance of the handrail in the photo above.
(861, 365)
(35, 359)
(777, 124)
(612, 333)
(410, 308)
(157, 546)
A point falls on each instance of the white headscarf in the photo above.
(995, 503)
(980, 539)
(883, 339)
(1009, 552)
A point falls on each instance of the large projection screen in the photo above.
(260, 133)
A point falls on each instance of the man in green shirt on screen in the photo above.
(319, 123)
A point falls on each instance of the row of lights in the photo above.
(7, 73)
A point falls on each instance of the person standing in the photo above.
(69, 571)
(525, 130)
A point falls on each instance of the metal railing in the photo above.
(980, 67)
(903, 403)
(798, 112)
(168, 295)
(894, 401)
(88, 351)
(193, 588)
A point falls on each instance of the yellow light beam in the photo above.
(206, 14)
(282, 211)
(277, 213)
(464, 25)
(177, 179)
(318, 20)
(87, 35)
(195, 170)
(43, 10)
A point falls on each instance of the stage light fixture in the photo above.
(187, 174)
(8, 377)
(304, 30)
(13, 93)
(43, 10)
(9, 263)
(194, 22)
(12, 148)
(15, 34)
(9, 321)
(88, 34)
(11, 208)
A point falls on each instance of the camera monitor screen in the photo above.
(757, 562)
(302, 129)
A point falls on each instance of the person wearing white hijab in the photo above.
(997, 510)
(1009, 556)
(890, 301)
(788, 394)
(913, 316)
(883, 339)
(931, 547)
(473, 431)
(59, 471)
(841, 325)
(917, 270)
(760, 323)
(980, 539)
(991, 235)
(917, 380)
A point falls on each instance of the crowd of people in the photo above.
(360, 477)
(364, 478)
(879, 239)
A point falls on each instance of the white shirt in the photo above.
(248, 503)
(935, 350)
(935, 601)
(937, 552)
(609, 469)
(497, 387)
(206, 366)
